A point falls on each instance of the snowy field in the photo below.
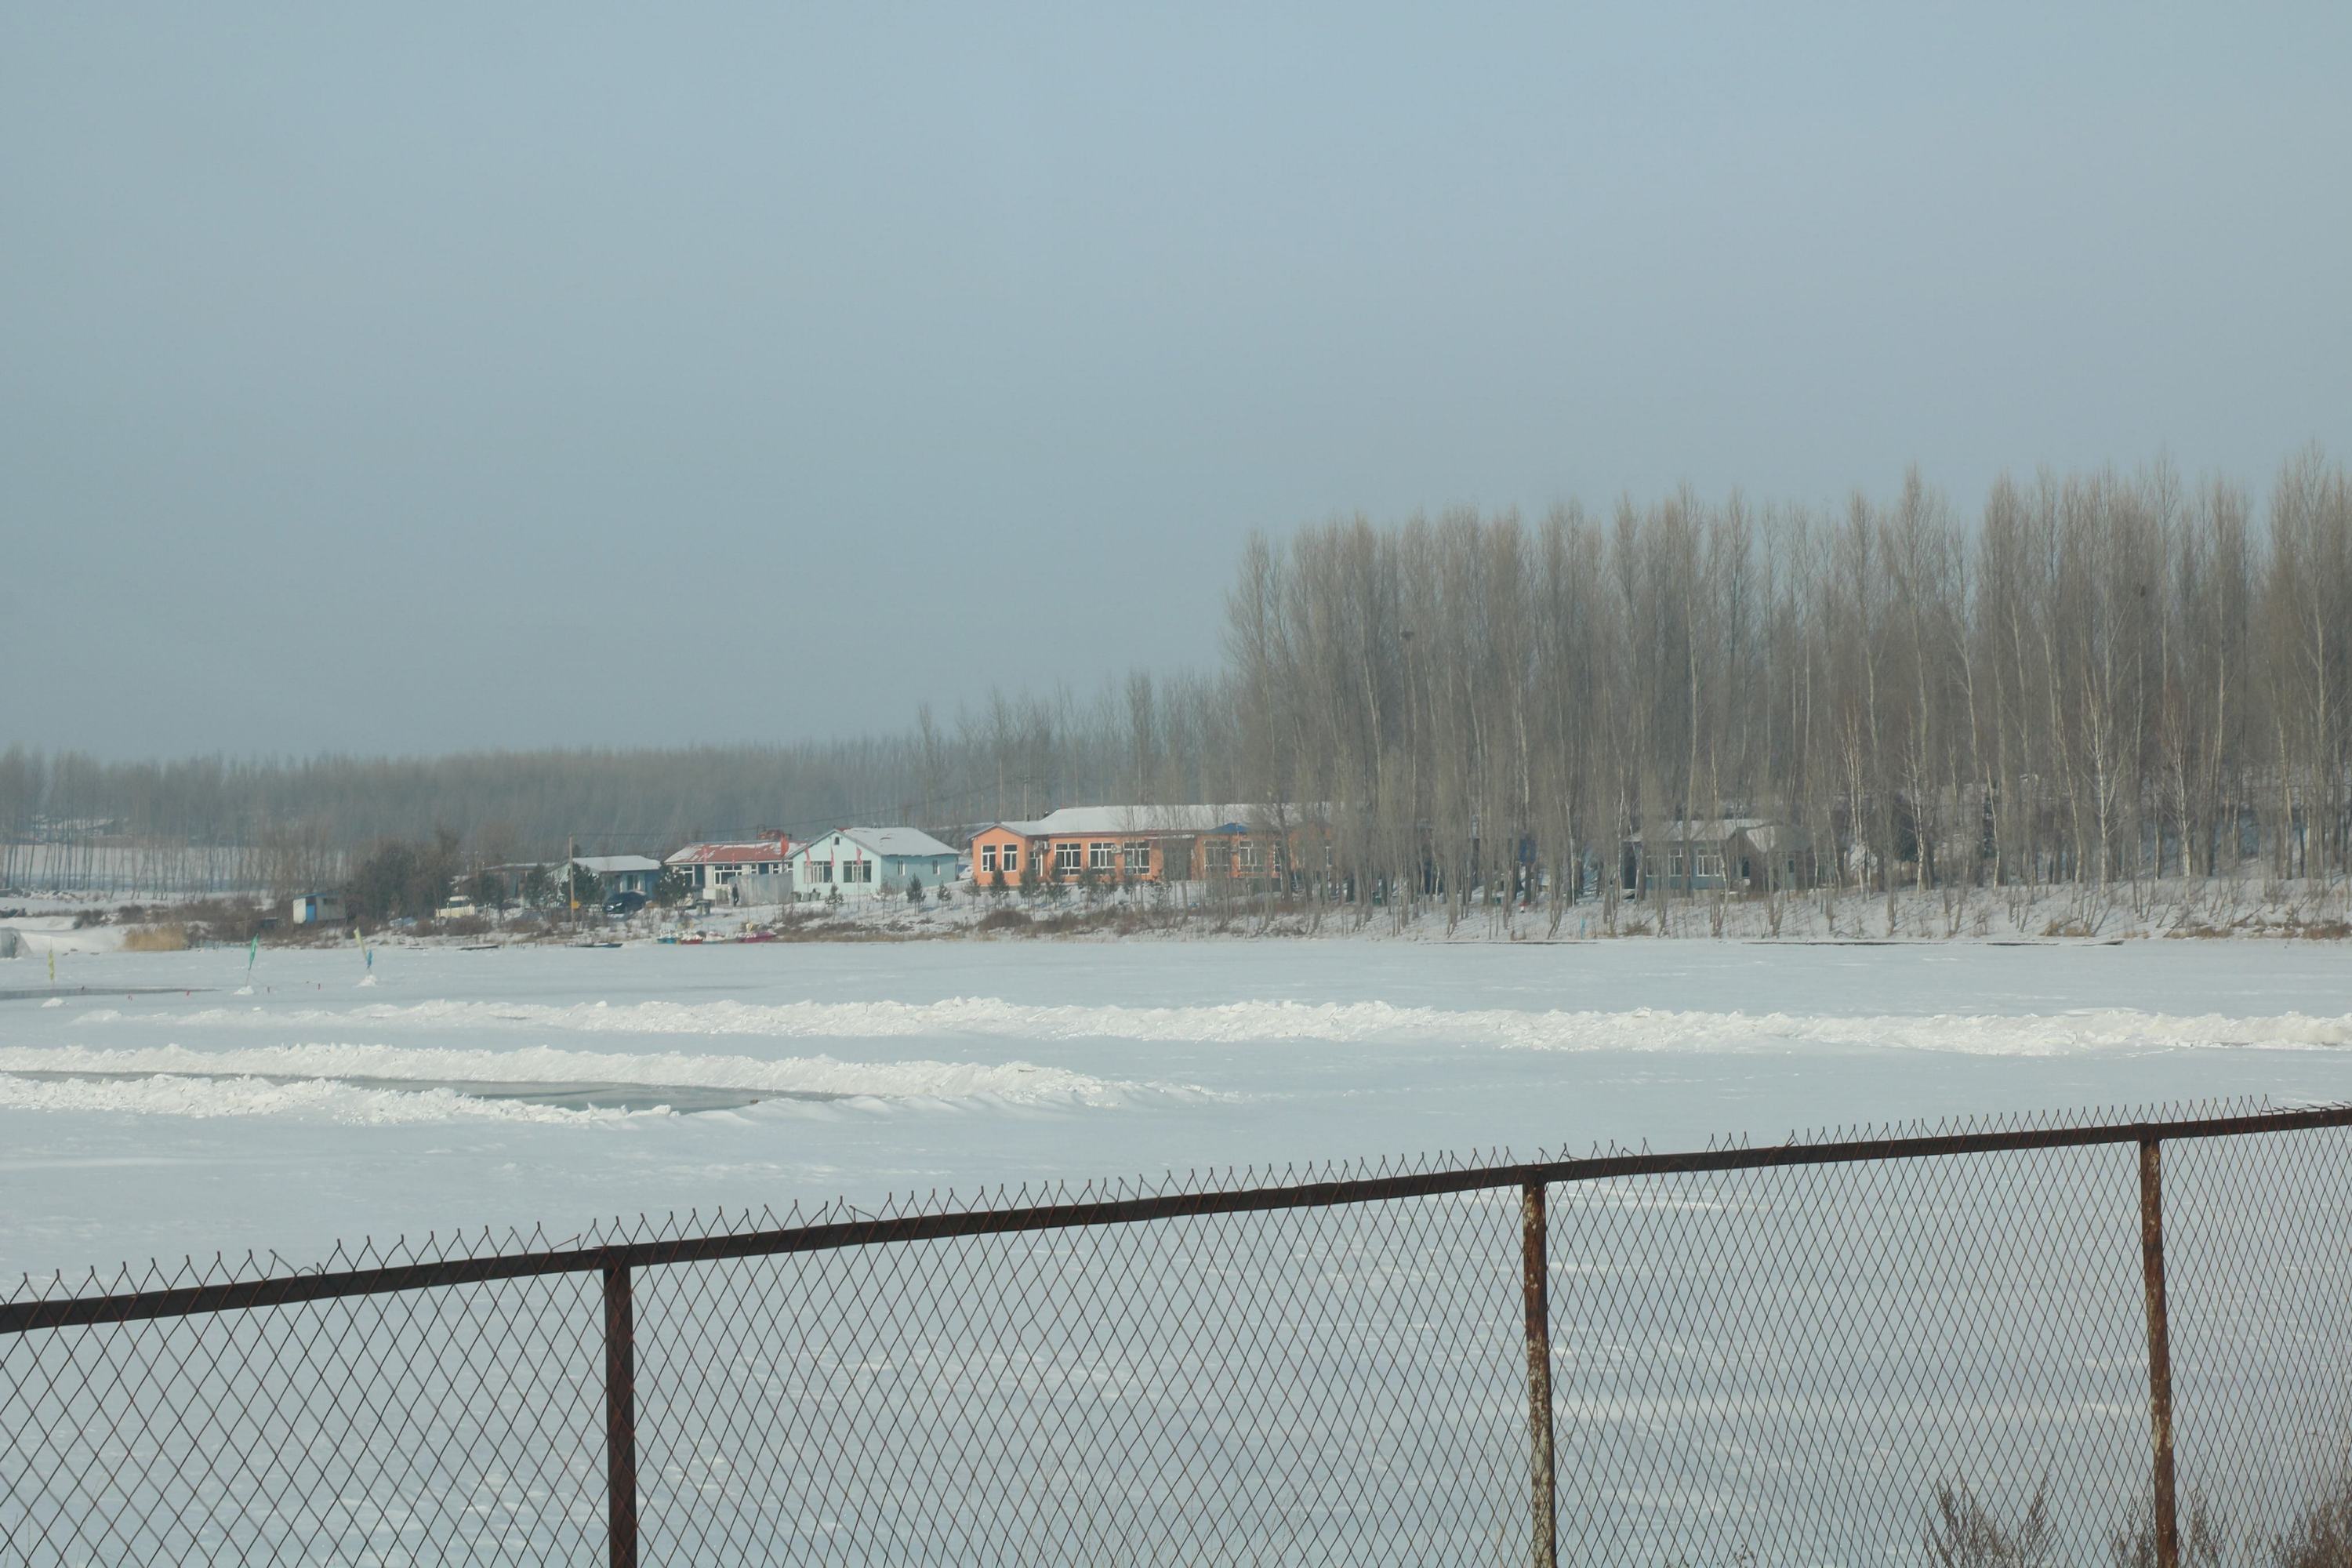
(167, 1113)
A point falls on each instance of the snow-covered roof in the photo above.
(611, 865)
(1132, 819)
(732, 854)
(1708, 830)
(890, 841)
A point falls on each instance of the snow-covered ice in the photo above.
(473, 1088)
(1906, 1323)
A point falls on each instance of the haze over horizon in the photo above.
(439, 380)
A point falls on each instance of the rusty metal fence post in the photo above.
(1535, 1274)
(620, 1420)
(2159, 1348)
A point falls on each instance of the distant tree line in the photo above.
(2104, 678)
(213, 825)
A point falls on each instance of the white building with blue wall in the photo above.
(870, 863)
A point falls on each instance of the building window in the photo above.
(861, 870)
(1100, 856)
(1674, 865)
(1707, 863)
(1253, 857)
(1066, 856)
(1037, 861)
(988, 857)
(1217, 855)
(1139, 860)
(821, 871)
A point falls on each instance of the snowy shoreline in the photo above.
(2200, 910)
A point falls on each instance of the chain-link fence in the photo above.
(1966, 1345)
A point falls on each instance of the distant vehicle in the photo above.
(456, 909)
(625, 904)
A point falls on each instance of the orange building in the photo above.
(1110, 844)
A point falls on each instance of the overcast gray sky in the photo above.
(453, 376)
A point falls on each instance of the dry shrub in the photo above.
(221, 920)
(1962, 1532)
(2248, 925)
(1004, 920)
(1121, 922)
(155, 939)
(2322, 1538)
(2132, 1544)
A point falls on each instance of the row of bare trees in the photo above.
(2104, 679)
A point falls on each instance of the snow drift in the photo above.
(1270, 1022)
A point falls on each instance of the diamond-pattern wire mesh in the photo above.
(1841, 1362)
(1338, 1384)
(2258, 1256)
(1786, 1366)
(460, 1425)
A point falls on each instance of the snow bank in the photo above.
(1269, 1022)
(1016, 1083)
(213, 1097)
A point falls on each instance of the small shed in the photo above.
(317, 909)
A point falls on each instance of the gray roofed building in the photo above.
(863, 862)
(1135, 819)
(621, 873)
